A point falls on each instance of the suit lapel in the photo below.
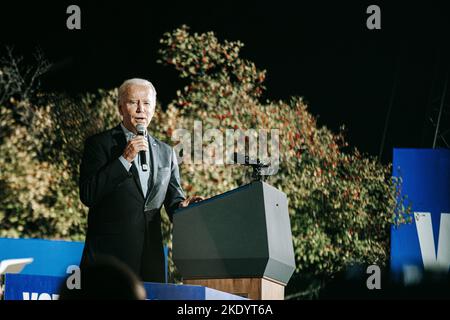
(120, 143)
(154, 151)
(136, 178)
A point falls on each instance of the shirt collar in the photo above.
(128, 134)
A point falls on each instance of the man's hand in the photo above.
(188, 201)
(138, 143)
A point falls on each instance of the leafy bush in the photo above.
(40, 161)
(341, 203)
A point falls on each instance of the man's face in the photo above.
(137, 106)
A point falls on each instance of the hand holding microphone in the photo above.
(138, 144)
(142, 132)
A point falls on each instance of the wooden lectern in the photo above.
(238, 242)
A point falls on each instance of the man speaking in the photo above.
(126, 176)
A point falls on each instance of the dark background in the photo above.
(319, 50)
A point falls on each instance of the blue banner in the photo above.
(36, 287)
(425, 243)
(50, 257)
(29, 287)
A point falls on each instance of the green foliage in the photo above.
(341, 203)
(40, 164)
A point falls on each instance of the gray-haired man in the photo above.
(125, 200)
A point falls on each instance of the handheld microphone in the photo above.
(141, 131)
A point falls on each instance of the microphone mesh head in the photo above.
(140, 128)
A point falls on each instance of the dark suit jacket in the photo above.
(121, 221)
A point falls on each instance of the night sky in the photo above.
(319, 50)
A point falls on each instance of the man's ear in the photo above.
(120, 109)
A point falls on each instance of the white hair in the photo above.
(136, 81)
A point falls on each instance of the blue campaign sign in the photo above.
(50, 257)
(30, 287)
(160, 291)
(36, 287)
(425, 243)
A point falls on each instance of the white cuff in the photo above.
(125, 163)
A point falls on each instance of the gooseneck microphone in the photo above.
(141, 131)
(256, 164)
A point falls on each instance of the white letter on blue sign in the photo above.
(426, 241)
